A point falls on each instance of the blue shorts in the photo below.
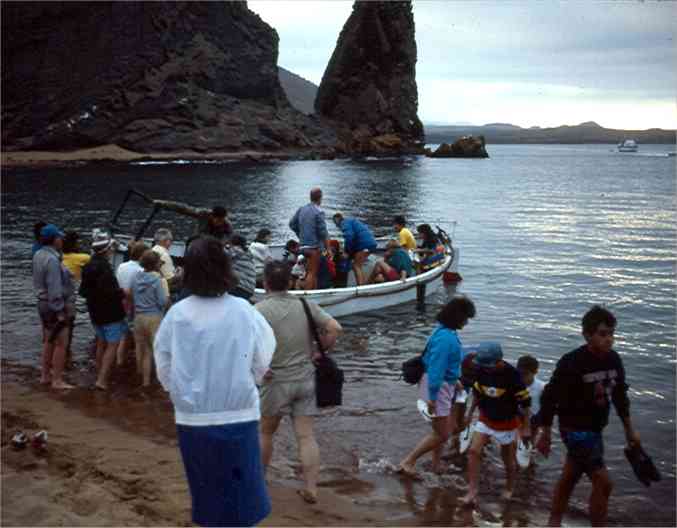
(111, 332)
(585, 449)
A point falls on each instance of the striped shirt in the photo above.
(243, 269)
(501, 394)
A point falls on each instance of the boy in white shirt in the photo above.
(528, 368)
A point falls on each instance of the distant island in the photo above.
(301, 94)
(588, 132)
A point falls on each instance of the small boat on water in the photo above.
(337, 302)
(628, 145)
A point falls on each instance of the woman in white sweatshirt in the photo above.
(210, 351)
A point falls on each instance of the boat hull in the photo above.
(339, 302)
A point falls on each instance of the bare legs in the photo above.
(358, 260)
(477, 444)
(54, 359)
(479, 440)
(508, 456)
(105, 356)
(308, 450)
(599, 497)
(433, 441)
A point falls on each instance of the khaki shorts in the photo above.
(295, 397)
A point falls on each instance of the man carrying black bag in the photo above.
(289, 386)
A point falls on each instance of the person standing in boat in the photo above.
(438, 386)
(213, 222)
(310, 226)
(358, 243)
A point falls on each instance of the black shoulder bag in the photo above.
(328, 376)
(413, 369)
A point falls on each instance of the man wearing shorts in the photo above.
(504, 403)
(105, 306)
(53, 285)
(289, 385)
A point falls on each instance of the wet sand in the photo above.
(103, 472)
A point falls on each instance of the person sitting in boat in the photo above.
(243, 268)
(260, 250)
(431, 250)
(396, 265)
(341, 264)
(358, 243)
(298, 274)
(292, 250)
(406, 238)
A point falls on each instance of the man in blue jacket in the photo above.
(310, 226)
(358, 242)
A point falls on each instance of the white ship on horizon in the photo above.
(628, 145)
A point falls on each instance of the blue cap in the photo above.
(51, 231)
(488, 354)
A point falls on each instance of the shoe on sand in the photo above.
(307, 496)
(19, 440)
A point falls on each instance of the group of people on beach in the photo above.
(233, 369)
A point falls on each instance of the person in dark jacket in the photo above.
(358, 243)
(105, 305)
(584, 384)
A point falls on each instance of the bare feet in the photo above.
(45, 380)
(307, 496)
(62, 385)
(100, 387)
(407, 471)
(506, 495)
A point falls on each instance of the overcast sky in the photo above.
(526, 63)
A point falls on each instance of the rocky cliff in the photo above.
(148, 76)
(369, 86)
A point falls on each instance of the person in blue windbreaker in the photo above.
(442, 362)
(358, 242)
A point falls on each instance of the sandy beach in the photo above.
(102, 473)
(116, 154)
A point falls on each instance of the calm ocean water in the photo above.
(544, 233)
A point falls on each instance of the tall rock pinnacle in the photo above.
(369, 87)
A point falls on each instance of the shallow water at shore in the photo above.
(544, 232)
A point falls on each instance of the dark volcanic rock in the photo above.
(148, 76)
(465, 147)
(369, 87)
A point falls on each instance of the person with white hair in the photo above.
(104, 297)
(163, 241)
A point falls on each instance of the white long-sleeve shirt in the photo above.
(262, 254)
(209, 353)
